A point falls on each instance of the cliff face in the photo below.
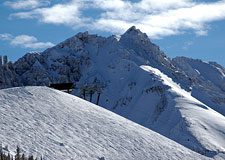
(8, 76)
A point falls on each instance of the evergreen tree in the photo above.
(17, 156)
(3, 156)
(8, 157)
(31, 158)
(23, 157)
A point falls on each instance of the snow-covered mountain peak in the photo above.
(80, 39)
(135, 36)
(135, 40)
(132, 28)
(86, 37)
(154, 96)
(134, 32)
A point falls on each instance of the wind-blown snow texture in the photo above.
(59, 126)
(182, 99)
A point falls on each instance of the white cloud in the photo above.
(26, 4)
(25, 41)
(110, 4)
(157, 18)
(187, 45)
(5, 36)
(159, 5)
(201, 33)
(60, 14)
(67, 14)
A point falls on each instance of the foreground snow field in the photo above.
(57, 125)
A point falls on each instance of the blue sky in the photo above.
(191, 28)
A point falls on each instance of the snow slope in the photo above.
(208, 80)
(195, 119)
(57, 125)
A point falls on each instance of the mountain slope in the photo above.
(131, 72)
(187, 120)
(61, 126)
(208, 80)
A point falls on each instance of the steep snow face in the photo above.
(191, 120)
(208, 81)
(131, 73)
(202, 71)
(59, 126)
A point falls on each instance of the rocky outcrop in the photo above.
(8, 76)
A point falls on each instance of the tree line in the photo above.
(5, 155)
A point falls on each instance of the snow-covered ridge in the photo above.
(208, 81)
(201, 122)
(59, 126)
